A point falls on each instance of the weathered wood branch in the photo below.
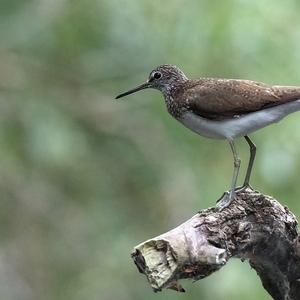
(254, 227)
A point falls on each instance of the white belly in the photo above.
(241, 126)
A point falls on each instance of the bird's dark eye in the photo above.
(157, 75)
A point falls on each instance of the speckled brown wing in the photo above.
(225, 98)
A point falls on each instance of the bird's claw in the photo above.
(226, 199)
(243, 188)
(229, 196)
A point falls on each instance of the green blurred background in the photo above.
(84, 177)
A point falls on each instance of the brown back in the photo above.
(224, 98)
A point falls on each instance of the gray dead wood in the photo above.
(255, 227)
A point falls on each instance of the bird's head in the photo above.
(163, 78)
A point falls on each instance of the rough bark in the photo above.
(255, 227)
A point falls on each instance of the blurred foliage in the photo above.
(84, 178)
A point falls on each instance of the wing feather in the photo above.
(222, 98)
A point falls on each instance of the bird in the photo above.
(223, 109)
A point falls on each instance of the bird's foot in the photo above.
(244, 188)
(226, 199)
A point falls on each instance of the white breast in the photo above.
(241, 126)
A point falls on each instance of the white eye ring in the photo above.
(157, 75)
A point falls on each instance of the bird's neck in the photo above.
(174, 103)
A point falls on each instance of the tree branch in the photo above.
(254, 227)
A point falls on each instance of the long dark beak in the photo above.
(143, 86)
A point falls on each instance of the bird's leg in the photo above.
(251, 161)
(250, 165)
(236, 164)
(228, 197)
